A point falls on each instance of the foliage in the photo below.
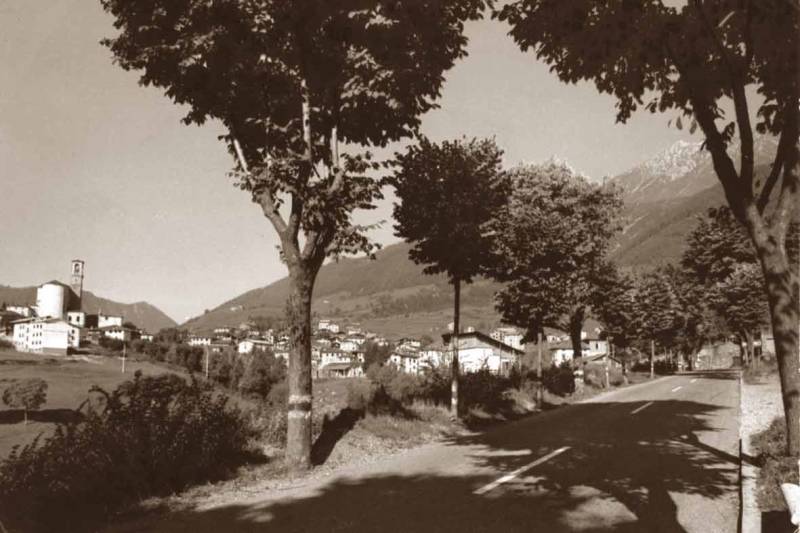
(375, 354)
(114, 345)
(26, 394)
(594, 374)
(171, 335)
(289, 82)
(775, 466)
(716, 245)
(189, 357)
(485, 390)
(447, 193)
(262, 372)
(6, 344)
(553, 235)
(559, 380)
(691, 59)
(721, 261)
(150, 436)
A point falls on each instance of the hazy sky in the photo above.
(93, 166)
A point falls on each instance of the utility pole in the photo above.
(539, 391)
(652, 357)
(124, 354)
(207, 356)
(455, 362)
(608, 382)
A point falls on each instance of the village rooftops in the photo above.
(567, 345)
(339, 366)
(466, 339)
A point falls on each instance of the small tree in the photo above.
(447, 193)
(552, 235)
(26, 394)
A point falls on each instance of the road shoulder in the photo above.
(760, 404)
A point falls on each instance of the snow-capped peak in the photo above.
(676, 161)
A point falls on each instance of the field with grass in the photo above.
(68, 380)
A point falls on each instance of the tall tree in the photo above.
(302, 89)
(447, 193)
(720, 258)
(689, 59)
(739, 299)
(552, 236)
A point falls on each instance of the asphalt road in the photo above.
(658, 457)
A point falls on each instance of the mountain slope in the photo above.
(663, 196)
(143, 314)
(359, 289)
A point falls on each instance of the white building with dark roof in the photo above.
(477, 351)
(54, 336)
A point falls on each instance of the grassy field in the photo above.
(68, 382)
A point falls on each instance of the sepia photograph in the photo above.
(400, 266)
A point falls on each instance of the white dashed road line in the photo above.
(676, 389)
(641, 408)
(508, 477)
(695, 379)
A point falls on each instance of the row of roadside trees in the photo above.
(304, 89)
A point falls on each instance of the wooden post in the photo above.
(455, 362)
(124, 354)
(206, 365)
(652, 357)
(539, 391)
(606, 358)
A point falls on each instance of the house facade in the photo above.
(53, 336)
(478, 351)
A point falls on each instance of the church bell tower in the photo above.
(76, 282)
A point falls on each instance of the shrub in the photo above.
(114, 345)
(261, 372)
(595, 375)
(26, 394)
(150, 436)
(360, 395)
(485, 390)
(6, 344)
(559, 380)
(776, 466)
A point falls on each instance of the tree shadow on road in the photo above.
(619, 474)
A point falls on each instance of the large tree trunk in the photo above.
(298, 433)
(455, 362)
(782, 293)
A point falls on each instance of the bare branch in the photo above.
(240, 156)
(739, 99)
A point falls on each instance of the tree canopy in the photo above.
(448, 192)
(552, 236)
(289, 81)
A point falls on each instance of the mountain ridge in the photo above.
(145, 315)
(664, 196)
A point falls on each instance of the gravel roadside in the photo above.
(761, 403)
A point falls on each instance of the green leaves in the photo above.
(291, 81)
(552, 237)
(448, 193)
